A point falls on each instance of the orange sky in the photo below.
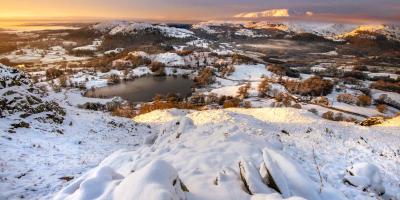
(189, 9)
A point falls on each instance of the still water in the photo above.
(143, 89)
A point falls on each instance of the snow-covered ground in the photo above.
(46, 56)
(34, 161)
(217, 154)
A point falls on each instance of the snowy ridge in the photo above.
(328, 30)
(390, 31)
(124, 27)
(268, 153)
(266, 13)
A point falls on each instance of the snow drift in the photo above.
(268, 153)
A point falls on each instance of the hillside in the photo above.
(217, 154)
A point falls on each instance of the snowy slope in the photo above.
(329, 30)
(266, 13)
(246, 154)
(57, 140)
(124, 27)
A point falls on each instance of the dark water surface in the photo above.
(143, 89)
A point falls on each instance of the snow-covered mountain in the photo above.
(266, 13)
(125, 27)
(273, 13)
(328, 30)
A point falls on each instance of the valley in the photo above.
(106, 104)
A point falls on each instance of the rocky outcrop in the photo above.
(22, 101)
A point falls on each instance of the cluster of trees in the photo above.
(361, 100)
(314, 86)
(226, 70)
(283, 71)
(386, 86)
(205, 77)
(243, 91)
(137, 61)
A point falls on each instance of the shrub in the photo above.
(243, 91)
(239, 59)
(381, 108)
(247, 104)
(138, 60)
(5, 61)
(313, 110)
(346, 98)
(386, 86)
(284, 98)
(355, 74)
(126, 111)
(321, 101)
(156, 66)
(360, 68)
(297, 105)
(283, 71)
(339, 117)
(184, 52)
(53, 73)
(328, 115)
(278, 70)
(227, 71)
(263, 88)
(204, 77)
(231, 103)
(63, 81)
(364, 100)
(113, 79)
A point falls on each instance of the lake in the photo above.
(144, 89)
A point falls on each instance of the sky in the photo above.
(181, 10)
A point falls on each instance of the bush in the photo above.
(386, 86)
(321, 101)
(283, 71)
(156, 66)
(364, 100)
(184, 52)
(113, 79)
(284, 98)
(313, 110)
(314, 86)
(227, 71)
(63, 81)
(53, 73)
(328, 115)
(231, 103)
(355, 74)
(263, 88)
(346, 98)
(126, 111)
(243, 91)
(204, 77)
(360, 68)
(240, 59)
(278, 70)
(381, 108)
(138, 60)
(6, 61)
(247, 104)
(297, 106)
